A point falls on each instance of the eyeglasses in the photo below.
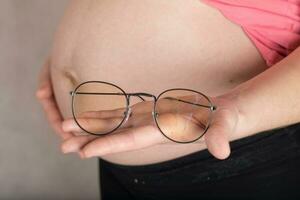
(181, 115)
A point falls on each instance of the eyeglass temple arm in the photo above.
(196, 104)
(137, 94)
(108, 93)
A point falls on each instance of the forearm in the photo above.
(271, 99)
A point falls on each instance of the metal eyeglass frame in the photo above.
(127, 113)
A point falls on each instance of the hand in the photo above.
(141, 132)
(45, 96)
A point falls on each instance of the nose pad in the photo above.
(154, 114)
(128, 114)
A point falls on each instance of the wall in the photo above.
(31, 165)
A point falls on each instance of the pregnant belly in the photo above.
(150, 46)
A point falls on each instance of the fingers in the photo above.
(44, 76)
(217, 136)
(131, 139)
(69, 125)
(54, 117)
(97, 122)
(45, 96)
(74, 144)
(93, 125)
(217, 142)
(44, 90)
(104, 113)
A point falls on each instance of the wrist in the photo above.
(234, 102)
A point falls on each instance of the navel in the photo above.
(71, 76)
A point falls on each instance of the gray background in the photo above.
(31, 165)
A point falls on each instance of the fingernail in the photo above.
(65, 151)
(69, 125)
(70, 150)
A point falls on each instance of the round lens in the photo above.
(183, 115)
(99, 108)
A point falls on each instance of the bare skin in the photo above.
(150, 46)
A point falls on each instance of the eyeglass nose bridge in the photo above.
(138, 94)
(127, 114)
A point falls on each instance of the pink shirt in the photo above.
(272, 25)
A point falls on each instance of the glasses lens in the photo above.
(99, 108)
(183, 115)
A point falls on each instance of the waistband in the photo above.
(275, 143)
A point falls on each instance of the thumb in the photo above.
(217, 136)
(217, 142)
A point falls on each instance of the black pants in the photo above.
(262, 166)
